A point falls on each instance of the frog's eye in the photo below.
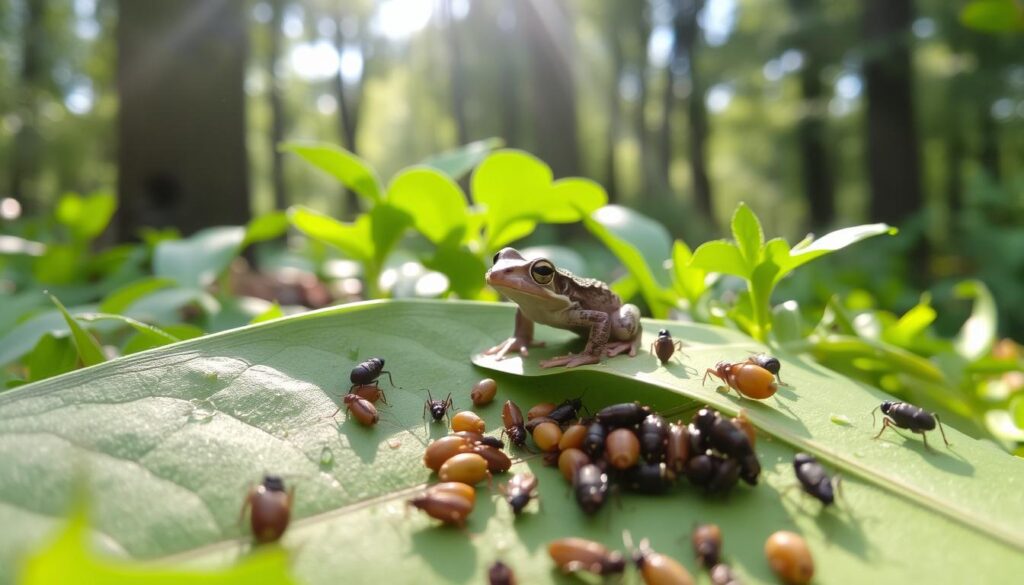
(495, 259)
(542, 271)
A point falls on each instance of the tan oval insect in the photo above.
(269, 507)
(748, 379)
(789, 557)
(363, 410)
(483, 392)
(622, 448)
(658, 569)
(569, 461)
(546, 436)
(468, 468)
(454, 487)
(468, 420)
(444, 449)
(707, 544)
(572, 438)
(540, 410)
(579, 554)
(371, 392)
(677, 448)
(448, 507)
(497, 461)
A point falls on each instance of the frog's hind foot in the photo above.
(615, 348)
(571, 360)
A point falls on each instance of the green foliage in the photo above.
(993, 16)
(763, 264)
(89, 350)
(513, 192)
(191, 425)
(68, 560)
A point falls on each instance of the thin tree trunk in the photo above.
(893, 160)
(989, 155)
(182, 160)
(508, 47)
(642, 29)
(277, 111)
(455, 71)
(614, 104)
(549, 36)
(28, 144)
(349, 104)
(686, 30)
(665, 127)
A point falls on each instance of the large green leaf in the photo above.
(350, 170)
(86, 217)
(170, 438)
(458, 162)
(434, 201)
(197, 260)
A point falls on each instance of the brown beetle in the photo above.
(512, 418)
(269, 507)
(363, 410)
(500, 574)
(449, 504)
(789, 557)
(483, 392)
(578, 554)
(371, 392)
(658, 569)
(665, 346)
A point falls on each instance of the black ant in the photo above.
(907, 416)
(664, 346)
(438, 408)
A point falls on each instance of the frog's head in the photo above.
(516, 277)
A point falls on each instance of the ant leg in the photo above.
(425, 410)
(941, 430)
(924, 437)
(383, 398)
(389, 376)
(885, 424)
(873, 411)
(708, 372)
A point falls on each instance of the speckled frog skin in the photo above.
(555, 297)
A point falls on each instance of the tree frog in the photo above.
(555, 297)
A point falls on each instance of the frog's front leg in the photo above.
(521, 340)
(601, 329)
(626, 331)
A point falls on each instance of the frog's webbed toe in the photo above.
(614, 348)
(571, 360)
(513, 344)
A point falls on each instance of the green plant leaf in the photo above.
(87, 216)
(809, 249)
(464, 269)
(435, 202)
(50, 357)
(722, 257)
(171, 439)
(516, 187)
(274, 312)
(912, 324)
(993, 16)
(199, 259)
(630, 256)
(978, 333)
(649, 237)
(68, 560)
(266, 227)
(20, 339)
(89, 350)
(142, 342)
(354, 239)
(787, 323)
(124, 297)
(353, 172)
(156, 334)
(59, 264)
(746, 230)
(459, 162)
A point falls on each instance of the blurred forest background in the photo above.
(817, 114)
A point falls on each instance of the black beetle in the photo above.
(664, 346)
(368, 371)
(591, 486)
(813, 479)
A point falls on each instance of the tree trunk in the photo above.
(893, 160)
(455, 71)
(665, 127)
(349, 105)
(27, 150)
(182, 158)
(614, 104)
(816, 170)
(277, 111)
(510, 82)
(643, 30)
(687, 30)
(549, 36)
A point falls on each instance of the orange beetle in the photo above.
(748, 379)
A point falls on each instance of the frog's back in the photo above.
(590, 293)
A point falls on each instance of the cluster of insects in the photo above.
(631, 446)
(365, 391)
